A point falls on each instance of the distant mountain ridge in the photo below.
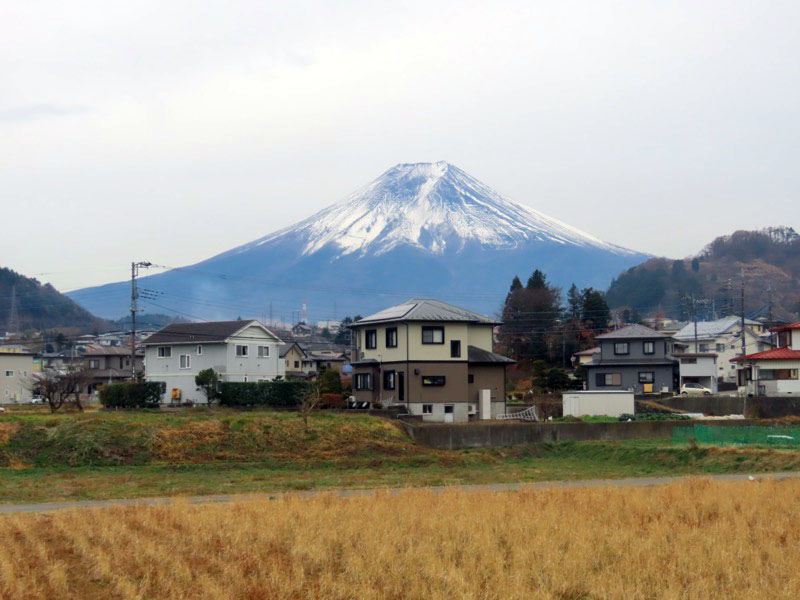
(769, 259)
(25, 304)
(422, 229)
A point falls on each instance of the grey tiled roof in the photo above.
(477, 355)
(712, 329)
(632, 331)
(419, 309)
(213, 331)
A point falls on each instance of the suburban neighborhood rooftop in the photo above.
(426, 310)
(632, 331)
(212, 331)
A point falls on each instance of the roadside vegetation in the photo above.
(128, 454)
(696, 539)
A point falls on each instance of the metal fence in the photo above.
(750, 435)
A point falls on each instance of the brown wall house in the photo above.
(432, 357)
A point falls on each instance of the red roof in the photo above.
(786, 327)
(775, 354)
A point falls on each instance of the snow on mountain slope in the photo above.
(432, 206)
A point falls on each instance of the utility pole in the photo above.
(770, 324)
(134, 295)
(744, 343)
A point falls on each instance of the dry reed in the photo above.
(698, 539)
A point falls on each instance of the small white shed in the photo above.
(598, 403)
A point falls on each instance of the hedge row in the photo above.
(263, 393)
(146, 394)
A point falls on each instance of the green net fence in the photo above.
(750, 435)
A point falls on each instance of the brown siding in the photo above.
(488, 377)
(454, 390)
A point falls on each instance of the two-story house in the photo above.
(16, 369)
(109, 364)
(236, 350)
(723, 337)
(773, 372)
(634, 358)
(430, 356)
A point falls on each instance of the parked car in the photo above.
(694, 389)
(37, 400)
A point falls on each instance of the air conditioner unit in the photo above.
(473, 409)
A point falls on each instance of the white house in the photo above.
(236, 350)
(774, 372)
(699, 367)
(724, 338)
(16, 369)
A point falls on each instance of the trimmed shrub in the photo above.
(145, 394)
(286, 394)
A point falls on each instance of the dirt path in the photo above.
(345, 493)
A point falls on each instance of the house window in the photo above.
(470, 378)
(94, 364)
(427, 409)
(244, 379)
(608, 379)
(9, 373)
(433, 380)
(781, 374)
(432, 335)
(263, 352)
(784, 339)
(199, 350)
(720, 347)
(391, 337)
(647, 377)
(621, 348)
(455, 348)
(371, 339)
(185, 361)
(649, 348)
(703, 348)
(688, 361)
(363, 381)
(241, 350)
(296, 364)
(388, 380)
(164, 351)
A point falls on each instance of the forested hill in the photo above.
(25, 304)
(768, 260)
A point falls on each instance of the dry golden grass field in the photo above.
(697, 539)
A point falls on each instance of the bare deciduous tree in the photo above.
(311, 400)
(61, 386)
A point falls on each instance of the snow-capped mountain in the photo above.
(430, 206)
(425, 229)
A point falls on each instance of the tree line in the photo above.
(539, 326)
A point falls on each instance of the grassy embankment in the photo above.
(696, 539)
(47, 457)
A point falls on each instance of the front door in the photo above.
(448, 413)
(401, 387)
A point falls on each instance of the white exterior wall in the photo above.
(15, 388)
(598, 403)
(220, 356)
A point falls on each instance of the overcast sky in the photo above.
(171, 131)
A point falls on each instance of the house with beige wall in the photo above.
(16, 369)
(431, 357)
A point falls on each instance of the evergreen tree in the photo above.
(574, 302)
(537, 281)
(516, 284)
(595, 309)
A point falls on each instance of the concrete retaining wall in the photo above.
(481, 435)
(759, 407)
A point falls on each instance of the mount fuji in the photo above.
(425, 229)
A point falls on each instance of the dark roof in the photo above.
(632, 332)
(477, 355)
(419, 309)
(365, 362)
(694, 354)
(774, 354)
(630, 363)
(212, 331)
(108, 351)
(284, 349)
